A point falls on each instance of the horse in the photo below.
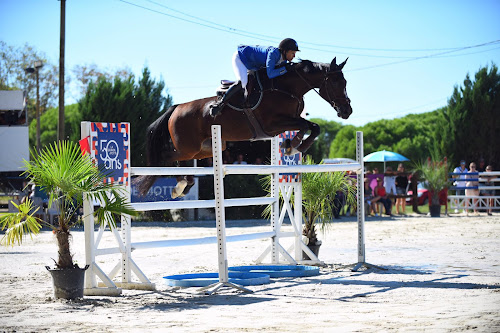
(183, 132)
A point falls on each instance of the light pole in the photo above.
(30, 70)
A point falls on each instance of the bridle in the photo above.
(326, 77)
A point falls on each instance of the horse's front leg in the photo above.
(307, 143)
(290, 146)
(296, 145)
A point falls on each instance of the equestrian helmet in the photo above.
(288, 44)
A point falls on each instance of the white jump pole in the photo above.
(361, 206)
(220, 216)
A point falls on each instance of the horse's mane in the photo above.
(312, 67)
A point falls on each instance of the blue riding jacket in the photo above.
(256, 57)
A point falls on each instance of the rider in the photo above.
(276, 60)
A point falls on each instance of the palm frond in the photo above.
(19, 224)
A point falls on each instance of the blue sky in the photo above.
(189, 44)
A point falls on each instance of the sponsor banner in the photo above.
(162, 191)
(109, 149)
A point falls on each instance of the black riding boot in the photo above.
(218, 106)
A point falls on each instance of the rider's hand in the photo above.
(289, 66)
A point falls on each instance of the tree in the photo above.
(469, 126)
(13, 61)
(411, 136)
(84, 74)
(344, 144)
(48, 125)
(123, 100)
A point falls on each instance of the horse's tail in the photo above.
(158, 147)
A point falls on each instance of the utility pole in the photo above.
(60, 126)
(30, 70)
(38, 65)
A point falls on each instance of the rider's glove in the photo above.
(289, 66)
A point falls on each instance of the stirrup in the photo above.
(215, 109)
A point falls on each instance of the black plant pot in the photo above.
(314, 249)
(68, 282)
(435, 210)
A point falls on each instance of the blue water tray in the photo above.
(278, 270)
(206, 279)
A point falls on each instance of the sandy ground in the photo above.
(442, 275)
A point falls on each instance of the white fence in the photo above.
(481, 202)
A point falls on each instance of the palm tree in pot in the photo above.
(67, 177)
(434, 176)
(318, 200)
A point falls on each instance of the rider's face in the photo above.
(290, 55)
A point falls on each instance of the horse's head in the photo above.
(333, 89)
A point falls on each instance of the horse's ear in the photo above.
(333, 64)
(343, 64)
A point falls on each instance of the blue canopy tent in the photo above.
(384, 156)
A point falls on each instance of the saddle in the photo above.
(255, 93)
(237, 102)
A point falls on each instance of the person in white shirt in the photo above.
(390, 181)
(460, 183)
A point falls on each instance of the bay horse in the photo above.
(183, 132)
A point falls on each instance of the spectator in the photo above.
(226, 157)
(380, 192)
(460, 183)
(489, 192)
(239, 160)
(401, 186)
(369, 198)
(472, 183)
(390, 183)
(373, 183)
(414, 178)
(258, 161)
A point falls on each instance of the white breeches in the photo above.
(240, 70)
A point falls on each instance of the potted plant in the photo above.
(434, 176)
(67, 177)
(318, 201)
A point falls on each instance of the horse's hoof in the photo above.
(291, 151)
(178, 189)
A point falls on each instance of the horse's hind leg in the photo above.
(179, 188)
(184, 183)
